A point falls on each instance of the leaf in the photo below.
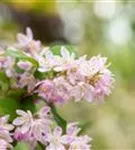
(4, 81)
(22, 56)
(28, 103)
(56, 49)
(10, 102)
(8, 105)
(59, 120)
(3, 77)
(40, 75)
(21, 146)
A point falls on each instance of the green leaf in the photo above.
(10, 101)
(56, 49)
(22, 56)
(59, 120)
(41, 75)
(8, 105)
(3, 77)
(21, 146)
(28, 103)
(4, 81)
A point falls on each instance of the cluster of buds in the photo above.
(55, 79)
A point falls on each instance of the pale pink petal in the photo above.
(18, 121)
(21, 112)
(65, 53)
(57, 131)
(29, 33)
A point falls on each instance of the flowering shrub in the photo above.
(30, 73)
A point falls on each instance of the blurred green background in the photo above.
(94, 27)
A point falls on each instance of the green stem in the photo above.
(40, 146)
(59, 120)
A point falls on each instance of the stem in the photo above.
(59, 120)
(42, 147)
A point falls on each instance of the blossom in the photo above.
(5, 136)
(67, 60)
(82, 91)
(24, 65)
(25, 39)
(81, 143)
(26, 80)
(4, 145)
(55, 62)
(93, 66)
(27, 42)
(49, 61)
(55, 140)
(32, 127)
(71, 133)
(24, 121)
(74, 141)
(54, 91)
(20, 136)
(8, 66)
(4, 123)
(103, 86)
(46, 90)
(69, 141)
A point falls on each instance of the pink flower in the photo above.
(26, 80)
(53, 91)
(27, 42)
(68, 141)
(24, 121)
(67, 60)
(19, 136)
(4, 123)
(8, 66)
(46, 90)
(31, 127)
(24, 65)
(74, 141)
(55, 140)
(56, 63)
(5, 145)
(104, 86)
(24, 40)
(5, 136)
(95, 65)
(62, 88)
(71, 133)
(80, 143)
(82, 91)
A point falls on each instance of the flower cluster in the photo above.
(38, 128)
(55, 78)
(69, 79)
(76, 79)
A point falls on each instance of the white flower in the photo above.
(25, 120)
(26, 80)
(82, 91)
(4, 124)
(80, 143)
(67, 60)
(55, 140)
(25, 65)
(5, 136)
(24, 40)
